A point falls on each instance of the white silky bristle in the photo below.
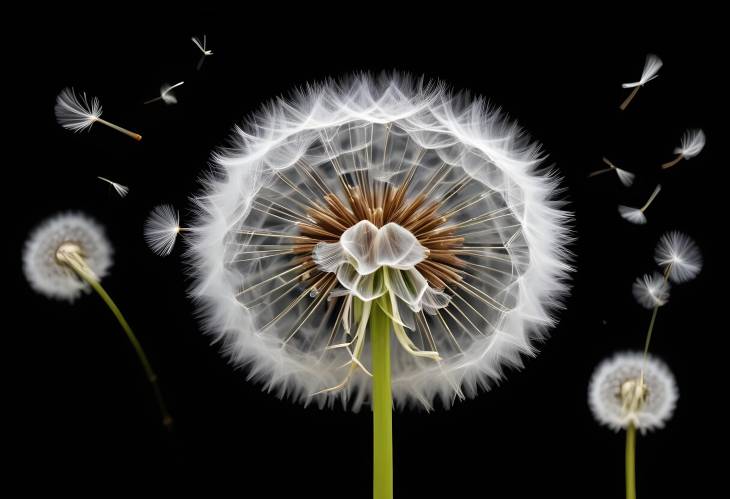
(607, 400)
(678, 253)
(626, 178)
(42, 269)
(633, 215)
(120, 189)
(651, 290)
(76, 112)
(693, 141)
(651, 68)
(161, 229)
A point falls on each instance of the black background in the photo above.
(79, 418)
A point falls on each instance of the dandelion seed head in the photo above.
(651, 290)
(55, 239)
(678, 254)
(379, 193)
(161, 229)
(628, 390)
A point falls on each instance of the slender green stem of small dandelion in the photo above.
(631, 462)
(382, 404)
(151, 375)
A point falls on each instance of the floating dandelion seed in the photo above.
(651, 68)
(122, 190)
(75, 112)
(625, 177)
(203, 48)
(368, 207)
(162, 228)
(651, 290)
(680, 257)
(693, 141)
(636, 215)
(166, 94)
(69, 254)
(628, 392)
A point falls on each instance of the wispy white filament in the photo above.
(122, 190)
(43, 270)
(693, 141)
(625, 177)
(651, 290)
(203, 48)
(678, 254)
(166, 94)
(297, 338)
(612, 399)
(651, 68)
(161, 229)
(76, 112)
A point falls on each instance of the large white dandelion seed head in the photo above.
(651, 290)
(379, 192)
(678, 254)
(42, 267)
(628, 389)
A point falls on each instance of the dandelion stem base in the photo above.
(631, 462)
(382, 405)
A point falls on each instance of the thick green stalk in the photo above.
(151, 375)
(382, 405)
(631, 462)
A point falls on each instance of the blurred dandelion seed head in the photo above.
(379, 192)
(628, 389)
(58, 242)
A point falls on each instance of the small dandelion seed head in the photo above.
(651, 290)
(628, 390)
(678, 254)
(633, 215)
(379, 192)
(651, 68)
(161, 229)
(55, 240)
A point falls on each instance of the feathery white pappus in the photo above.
(636, 215)
(618, 398)
(465, 238)
(41, 266)
(678, 254)
(624, 176)
(651, 68)
(651, 290)
(693, 141)
(76, 113)
(162, 228)
(166, 94)
(120, 189)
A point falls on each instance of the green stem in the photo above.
(382, 405)
(631, 462)
(151, 375)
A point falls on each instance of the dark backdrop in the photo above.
(79, 418)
